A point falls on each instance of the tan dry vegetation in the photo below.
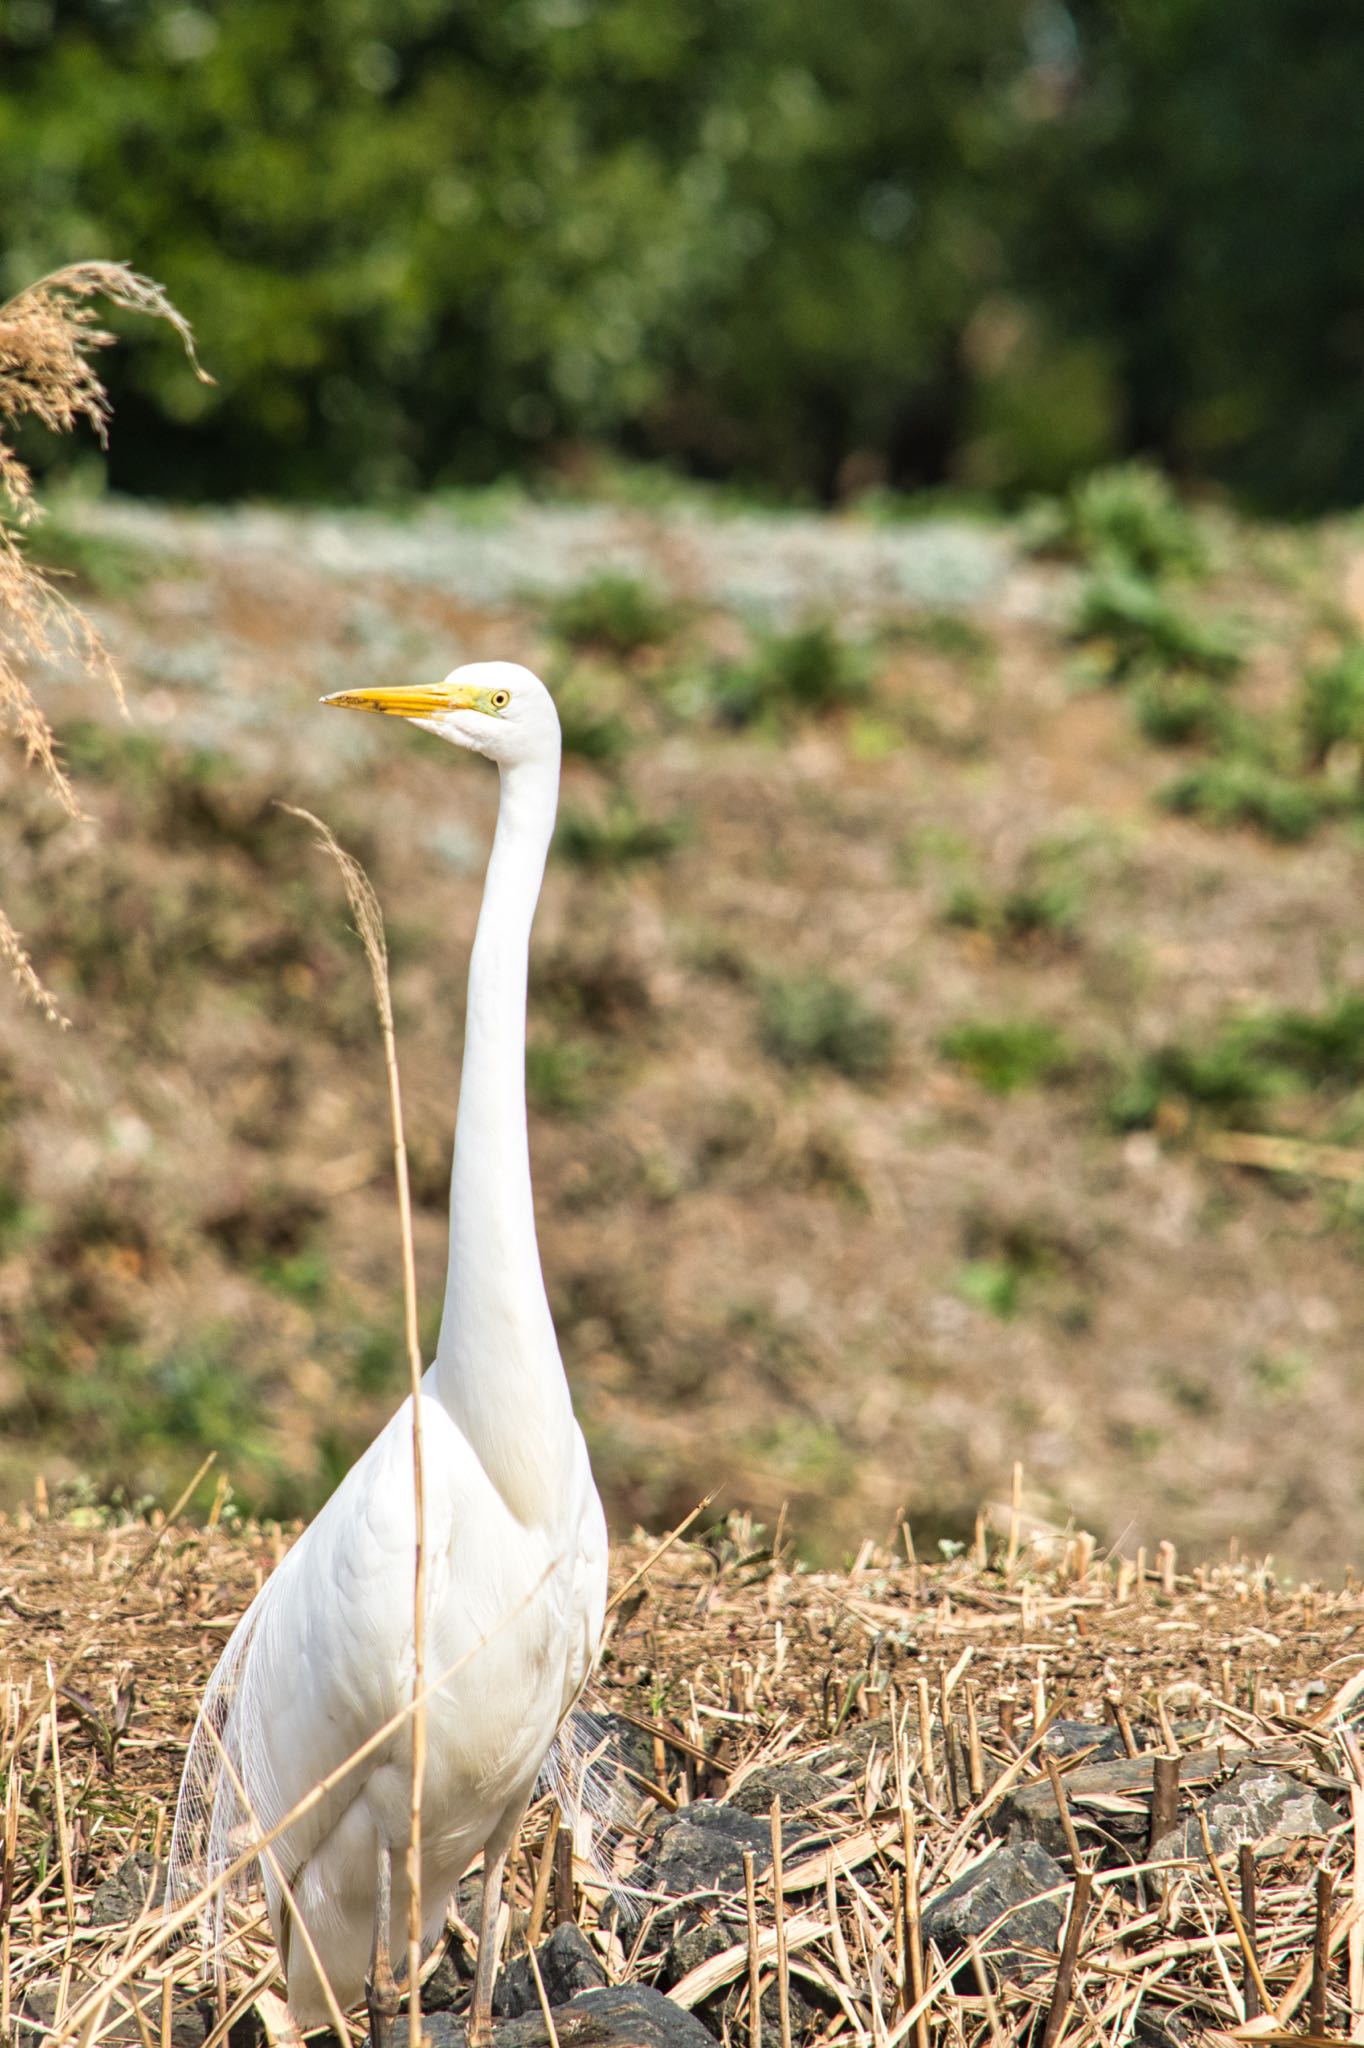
(729, 1661)
(795, 1283)
(48, 336)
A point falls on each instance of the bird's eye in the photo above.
(500, 699)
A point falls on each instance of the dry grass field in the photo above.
(891, 1711)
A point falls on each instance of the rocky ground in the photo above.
(1028, 1791)
(899, 1054)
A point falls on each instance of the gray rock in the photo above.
(798, 1787)
(1007, 1882)
(1169, 2031)
(192, 2019)
(136, 1884)
(694, 1945)
(568, 1964)
(619, 2016)
(1108, 1802)
(1260, 1805)
(721, 2013)
(701, 1849)
(1073, 1738)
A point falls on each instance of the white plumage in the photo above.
(515, 1538)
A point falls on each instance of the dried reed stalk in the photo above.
(546, 2015)
(779, 1920)
(755, 2010)
(369, 923)
(48, 335)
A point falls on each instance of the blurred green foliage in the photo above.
(812, 1020)
(810, 669)
(424, 241)
(1006, 1054)
(611, 612)
(1248, 1061)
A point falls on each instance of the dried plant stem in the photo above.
(1250, 1991)
(914, 1933)
(982, 1976)
(926, 1767)
(1321, 1954)
(1355, 1951)
(564, 1904)
(755, 2010)
(1252, 1961)
(1070, 1950)
(1164, 1799)
(779, 1921)
(660, 1549)
(1015, 1522)
(369, 923)
(975, 1761)
(1058, 1793)
(63, 1845)
(544, 1872)
(546, 2015)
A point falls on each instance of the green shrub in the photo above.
(1128, 518)
(115, 753)
(954, 635)
(102, 564)
(810, 670)
(992, 1284)
(1325, 1046)
(1034, 907)
(589, 732)
(813, 1020)
(1243, 791)
(1141, 627)
(1333, 703)
(1249, 1061)
(558, 1075)
(1022, 1053)
(612, 611)
(1226, 1078)
(617, 836)
(1173, 709)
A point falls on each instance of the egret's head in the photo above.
(495, 708)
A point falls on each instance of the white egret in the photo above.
(514, 1532)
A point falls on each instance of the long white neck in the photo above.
(498, 1369)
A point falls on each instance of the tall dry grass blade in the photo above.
(660, 1549)
(543, 1874)
(1247, 1947)
(755, 2009)
(48, 335)
(16, 957)
(779, 1922)
(1355, 1950)
(546, 2015)
(369, 922)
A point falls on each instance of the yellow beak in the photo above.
(423, 701)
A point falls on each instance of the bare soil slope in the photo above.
(837, 984)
